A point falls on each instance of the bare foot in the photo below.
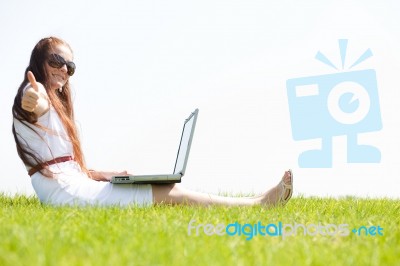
(281, 193)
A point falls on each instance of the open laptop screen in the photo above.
(184, 146)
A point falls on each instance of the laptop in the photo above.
(180, 163)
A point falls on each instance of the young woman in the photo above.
(47, 142)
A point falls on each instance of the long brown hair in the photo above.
(61, 100)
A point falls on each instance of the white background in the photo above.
(143, 66)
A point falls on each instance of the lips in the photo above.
(59, 77)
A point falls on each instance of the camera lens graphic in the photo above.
(348, 103)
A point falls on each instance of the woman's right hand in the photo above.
(35, 98)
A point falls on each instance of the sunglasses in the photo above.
(57, 61)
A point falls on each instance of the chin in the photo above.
(57, 85)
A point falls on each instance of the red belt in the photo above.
(41, 166)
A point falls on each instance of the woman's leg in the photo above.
(176, 194)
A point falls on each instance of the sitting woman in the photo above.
(47, 142)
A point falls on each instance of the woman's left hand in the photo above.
(104, 176)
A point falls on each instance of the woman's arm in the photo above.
(104, 176)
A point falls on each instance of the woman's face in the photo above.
(58, 76)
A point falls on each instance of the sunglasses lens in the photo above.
(71, 68)
(55, 64)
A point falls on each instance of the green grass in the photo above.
(33, 234)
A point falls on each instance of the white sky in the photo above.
(143, 66)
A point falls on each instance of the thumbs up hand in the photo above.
(35, 98)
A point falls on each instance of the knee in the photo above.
(167, 193)
(168, 189)
(175, 189)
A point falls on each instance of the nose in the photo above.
(64, 68)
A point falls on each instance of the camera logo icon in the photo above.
(345, 103)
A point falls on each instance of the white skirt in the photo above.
(73, 187)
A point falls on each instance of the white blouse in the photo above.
(52, 140)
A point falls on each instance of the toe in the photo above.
(287, 178)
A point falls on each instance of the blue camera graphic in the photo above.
(325, 106)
